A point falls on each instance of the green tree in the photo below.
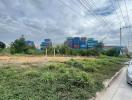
(2, 45)
(113, 52)
(18, 46)
(64, 50)
(100, 45)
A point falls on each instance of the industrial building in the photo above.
(81, 42)
(46, 44)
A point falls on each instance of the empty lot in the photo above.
(36, 59)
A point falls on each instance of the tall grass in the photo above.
(72, 80)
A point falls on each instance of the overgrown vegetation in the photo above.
(71, 80)
(20, 46)
(2, 45)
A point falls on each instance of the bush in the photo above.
(72, 80)
(19, 46)
(113, 52)
(2, 45)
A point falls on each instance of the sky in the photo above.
(59, 19)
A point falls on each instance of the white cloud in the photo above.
(39, 19)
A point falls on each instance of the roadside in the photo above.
(75, 79)
(118, 90)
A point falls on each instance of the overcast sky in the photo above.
(58, 19)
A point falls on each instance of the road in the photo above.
(119, 89)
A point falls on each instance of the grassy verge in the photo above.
(71, 80)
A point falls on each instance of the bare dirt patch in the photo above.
(36, 59)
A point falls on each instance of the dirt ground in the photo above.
(35, 59)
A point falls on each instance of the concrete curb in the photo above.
(107, 83)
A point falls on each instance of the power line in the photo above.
(128, 18)
(91, 3)
(118, 17)
(90, 11)
(127, 11)
(123, 16)
(73, 10)
(88, 2)
(127, 15)
(121, 12)
(90, 8)
(76, 12)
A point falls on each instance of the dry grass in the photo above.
(36, 59)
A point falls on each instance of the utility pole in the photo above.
(120, 36)
(46, 52)
(54, 52)
(121, 33)
(129, 46)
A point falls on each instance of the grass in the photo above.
(71, 80)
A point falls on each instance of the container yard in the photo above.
(30, 43)
(69, 42)
(81, 42)
(46, 44)
(91, 43)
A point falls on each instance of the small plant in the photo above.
(72, 80)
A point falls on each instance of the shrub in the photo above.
(113, 52)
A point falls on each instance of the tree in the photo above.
(19, 46)
(113, 52)
(100, 45)
(64, 50)
(2, 45)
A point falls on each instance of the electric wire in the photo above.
(73, 10)
(121, 12)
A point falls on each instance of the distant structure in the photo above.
(30, 43)
(76, 42)
(81, 42)
(91, 43)
(69, 42)
(121, 49)
(45, 44)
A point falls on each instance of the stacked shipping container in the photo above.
(91, 43)
(81, 43)
(30, 43)
(76, 42)
(45, 44)
(69, 42)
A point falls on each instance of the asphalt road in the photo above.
(119, 89)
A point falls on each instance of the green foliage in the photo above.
(113, 52)
(100, 46)
(5, 51)
(63, 50)
(19, 46)
(2, 45)
(72, 80)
